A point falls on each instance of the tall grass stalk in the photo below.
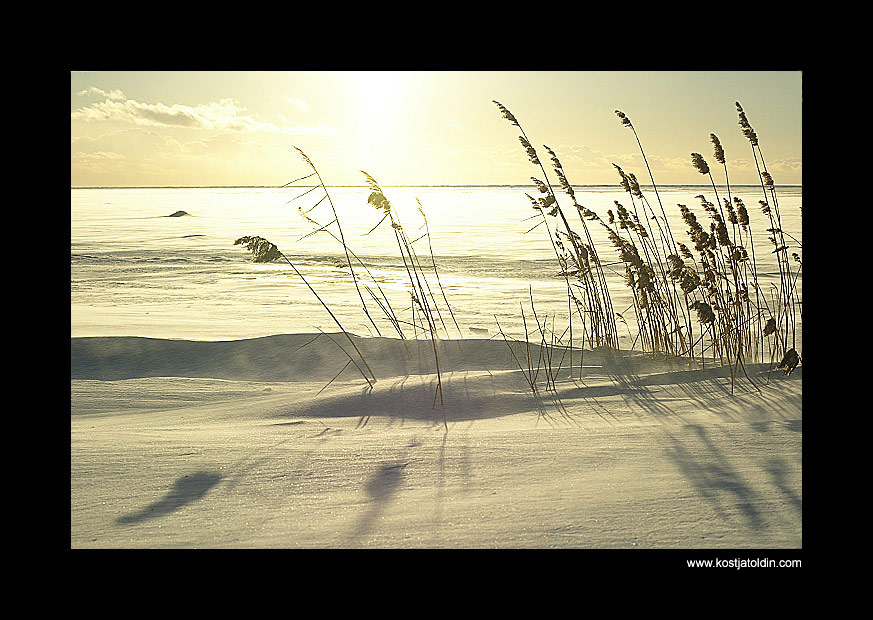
(435, 270)
(627, 123)
(421, 294)
(658, 250)
(576, 257)
(715, 283)
(786, 318)
(342, 240)
(263, 251)
(546, 361)
(424, 302)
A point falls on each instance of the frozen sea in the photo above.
(136, 271)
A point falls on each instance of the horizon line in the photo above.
(403, 185)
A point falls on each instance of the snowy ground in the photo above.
(178, 444)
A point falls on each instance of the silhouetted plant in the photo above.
(577, 256)
(264, 251)
(720, 287)
(420, 292)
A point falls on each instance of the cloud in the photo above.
(225, 114)
(114, 94)
(97, 155)
(792, 165)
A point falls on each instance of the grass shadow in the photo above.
(186, 490)
(381, 488)
(714, 479)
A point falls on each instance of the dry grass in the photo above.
(587, 295)
(537, 357)
(263, 251)
(702, 300)
(426, 314)
(715, 286)
(423, 299)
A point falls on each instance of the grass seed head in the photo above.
(623, 215)
(746, 127)
(699, 163)
(739, 254)
(624, 180)
(684, 251)
(534, 202)
(305, 158)
(641, 230)
(588, 213)
(559, 171)
(634, 185)
(531, 151)
(718, 151)
(540, 185)
(789, 361)
(262, 250)
(506, 113)
(742, 213)
(688, 279)
(555, 161)
(676, 263)
(378, 200)
(624, 119)
(720, 230)
(704, 312)
(732, 214)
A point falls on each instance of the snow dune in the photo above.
(259, 444)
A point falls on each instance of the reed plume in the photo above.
(676, 324)
(575, 252)
(699, 163)
(717, 282)
(264, 251)
(718, 150)
(625, 121)
(336, 221)
(786, 307)
(421, 294)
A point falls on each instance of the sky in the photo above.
(190, 128)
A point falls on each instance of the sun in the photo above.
(379, 100)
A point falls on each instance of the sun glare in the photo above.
(378, 98)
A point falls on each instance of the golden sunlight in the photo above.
(378, 98)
